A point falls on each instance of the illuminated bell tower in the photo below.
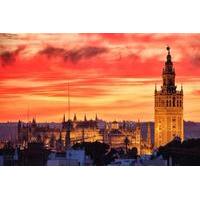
(168, 107)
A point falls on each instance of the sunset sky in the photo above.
(113, 75)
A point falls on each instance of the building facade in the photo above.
(116, 137)
(168, 107)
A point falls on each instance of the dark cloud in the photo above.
(52, 51)
(73, 55)
(9, 57)
(8, 36)
(86, 52)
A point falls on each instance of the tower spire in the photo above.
(168, 49)
(168, 74)
(169, 57)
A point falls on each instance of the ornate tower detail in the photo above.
(168, 107)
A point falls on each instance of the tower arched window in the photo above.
(174, 102)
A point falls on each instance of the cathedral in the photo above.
(168, 107)
(75, 131)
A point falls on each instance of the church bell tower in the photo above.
(168, 107)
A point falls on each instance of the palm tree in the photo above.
(126, 142)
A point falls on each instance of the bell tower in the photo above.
(168, 107)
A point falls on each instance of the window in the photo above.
(173, 101)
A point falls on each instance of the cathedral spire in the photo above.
(75, 118)
(34, 121)
(85, 118)
(63, 122)
(64, 118)
(96, 118)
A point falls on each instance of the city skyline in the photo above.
(111, 75)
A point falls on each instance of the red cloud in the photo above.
(94, 64)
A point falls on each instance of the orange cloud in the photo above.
(109, 74)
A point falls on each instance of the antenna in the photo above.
(28, 114)
(68, 98)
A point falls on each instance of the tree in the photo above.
(186, 153)
(96, 150)
(126, 142)
(132, 153)
(111, 156)
(8, 153)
